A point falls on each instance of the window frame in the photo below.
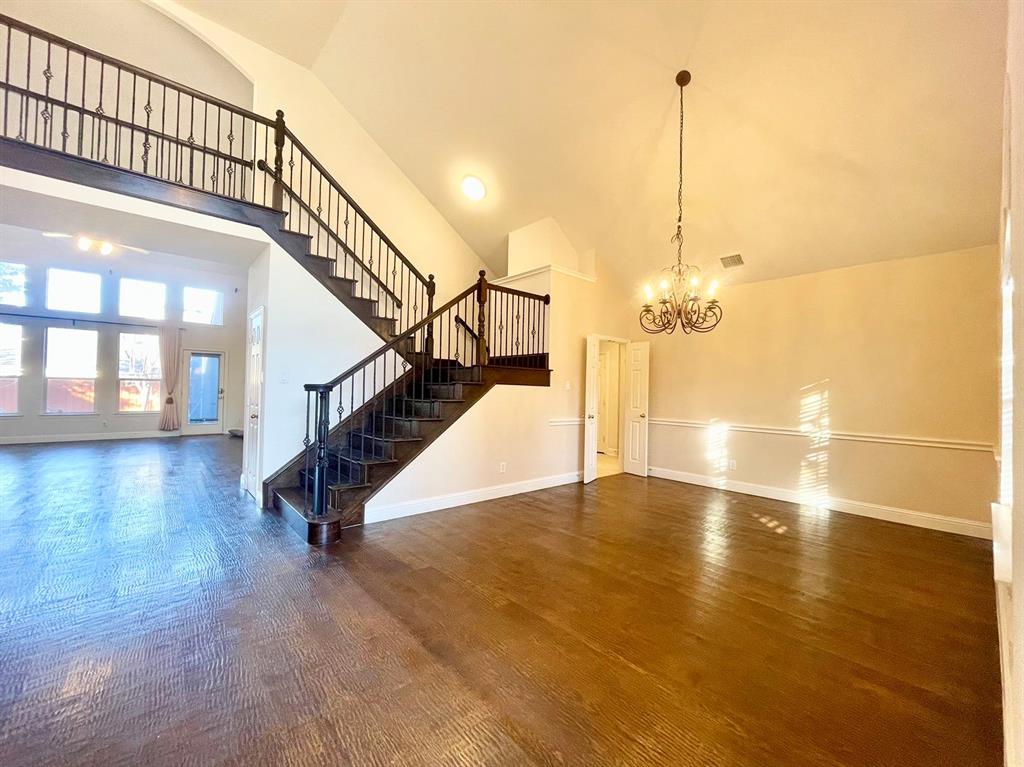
(20, 374)
(46, 378)
(159, 378)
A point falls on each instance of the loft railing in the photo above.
(349, 417)
(67, 98)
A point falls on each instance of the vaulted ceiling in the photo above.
(818, 134)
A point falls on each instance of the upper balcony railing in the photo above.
(67, 98)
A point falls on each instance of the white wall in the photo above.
(139, 35)
(38, 253)
(309, 337)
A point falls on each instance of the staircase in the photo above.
(76, 114)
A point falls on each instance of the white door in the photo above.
(204, 393)
(253, 397)
(638, 374)
(590, 409)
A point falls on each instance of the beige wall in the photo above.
(1010, 601)
(874, 384)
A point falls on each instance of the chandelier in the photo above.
(681, 300)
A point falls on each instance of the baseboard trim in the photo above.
(436, 503)
(860, 508)
(35, 439)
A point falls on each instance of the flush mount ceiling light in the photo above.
(473, 188)
(683, 302)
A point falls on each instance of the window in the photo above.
(70, 291)
(203, 306)
(71, 370)
(10, 368)
(138, 372)
(12, 284)
(140, 298)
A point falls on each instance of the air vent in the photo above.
(729, 262)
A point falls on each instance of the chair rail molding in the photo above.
(846, 436)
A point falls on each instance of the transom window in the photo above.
(141, 298)
(71, 291)
(12, 284)
(71, 370)
(10, 367)
(203, 306)
(138, 372)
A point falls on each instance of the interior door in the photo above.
(253, 397)
(590, 409)
(204, 393)
(638, 375)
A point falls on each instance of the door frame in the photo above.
(255, 487)
(591, 404)
(186, 390)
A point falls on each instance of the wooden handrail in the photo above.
(546, 298)
(355, 206)
(127, 125)
(262, 165)
(392, 343)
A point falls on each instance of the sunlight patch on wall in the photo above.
(813, 487)
(717, 452)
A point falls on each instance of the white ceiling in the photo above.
(818, 135)
(297, 29)
(33, 213)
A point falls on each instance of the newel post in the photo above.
(278, 192)
(481, 319)
(323, 431)
(431, 289)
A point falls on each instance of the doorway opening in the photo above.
(610, 382)
(615, 421)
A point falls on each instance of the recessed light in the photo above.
(106, 248)
(473, 188)
(84, 243)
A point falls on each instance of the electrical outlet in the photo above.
(732, 464)
(501, 467)
(568, 385)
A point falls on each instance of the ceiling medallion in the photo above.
(682, 301)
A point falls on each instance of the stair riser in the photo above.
(334, 476)
(409, 408)
(444, 391)
(398, 427)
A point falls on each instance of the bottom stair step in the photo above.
(316, 530)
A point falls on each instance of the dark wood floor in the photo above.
(149, 615)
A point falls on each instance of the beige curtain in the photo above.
(170, 363)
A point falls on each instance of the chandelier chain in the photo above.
(678, 238)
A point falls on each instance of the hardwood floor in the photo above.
(156, 617)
